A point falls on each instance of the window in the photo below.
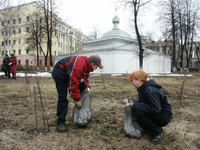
(19, 30)
(14, 31)
(19, 51)
(14, 42)
(2, 43)
(40, 20)
(8, 22)
(14, 21)
(19, 41)
(27, 40)
(40, 62)
(14, 52)
(19, 20)
(19, 62)
(27, 51)
(27, 18)
(2, 33)
(27, 62)
(27, 29)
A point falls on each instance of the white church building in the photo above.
(120, 53)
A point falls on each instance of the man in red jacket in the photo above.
(69, 72)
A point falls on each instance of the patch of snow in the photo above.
(47, 74)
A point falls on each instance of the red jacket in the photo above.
(73, 69)
(13, 66)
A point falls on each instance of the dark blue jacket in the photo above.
(153, 101)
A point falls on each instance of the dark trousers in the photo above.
(152, 123)
(7, 71)
(13, 75)
(62, 106)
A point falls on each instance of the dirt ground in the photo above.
(105, 132)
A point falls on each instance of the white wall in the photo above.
(122, 61)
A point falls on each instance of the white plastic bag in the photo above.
(131, 127)
(82, 116)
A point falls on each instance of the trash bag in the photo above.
(82, 116)
(131, 126)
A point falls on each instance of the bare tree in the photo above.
(136, 5)
(197, 50)
(36, 35)
(192, 16)
(49, 24)
(94, 34)
(168, 19)
(180, 19)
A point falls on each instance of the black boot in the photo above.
(157, 139)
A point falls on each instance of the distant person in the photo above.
(6, 67)
(152, 110)
(69, 72)
(13, 65)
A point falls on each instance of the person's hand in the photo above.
(78, 104)
(10, 64)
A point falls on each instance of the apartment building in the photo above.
(16, 25)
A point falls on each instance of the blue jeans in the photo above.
(62, 107)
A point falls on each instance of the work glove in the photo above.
(87, 89)
(78, 104)
(10, 64)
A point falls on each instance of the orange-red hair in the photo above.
(140, 74)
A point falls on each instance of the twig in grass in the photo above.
(103, 79)
(36, 108)
(44, 116)
(27, 83)
(182, 88)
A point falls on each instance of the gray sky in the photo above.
(85, 14)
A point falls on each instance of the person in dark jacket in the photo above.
(13, 65)
(6, 67)
(152, 110)
(71, 72)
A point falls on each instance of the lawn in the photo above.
(18, 126)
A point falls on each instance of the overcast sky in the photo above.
(85, 14)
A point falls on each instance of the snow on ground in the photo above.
(47, 74)
(38, 74)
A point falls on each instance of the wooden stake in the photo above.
(36, 108)
(182, 89)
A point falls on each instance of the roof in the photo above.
(116, 32)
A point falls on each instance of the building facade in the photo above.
(16, 27)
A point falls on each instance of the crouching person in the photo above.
(68, 73)
(152, 110)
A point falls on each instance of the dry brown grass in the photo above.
(17, 119)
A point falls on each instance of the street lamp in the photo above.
(71, 33)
